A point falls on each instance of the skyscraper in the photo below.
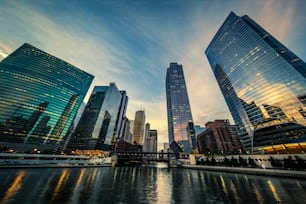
(147, 132)
(97, 126)
(39, 98)
(127, 135)
(259, 77)
(178, 107)
(146, 142)
(150, 144)
(138, 128)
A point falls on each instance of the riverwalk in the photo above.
(254, 171)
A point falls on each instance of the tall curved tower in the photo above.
(259, 77)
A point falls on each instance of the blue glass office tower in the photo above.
(39, 97)
(178, 107)
(261, 80)
(97, 127)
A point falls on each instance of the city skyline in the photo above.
(115, 43)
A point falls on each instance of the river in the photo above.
(144, 185)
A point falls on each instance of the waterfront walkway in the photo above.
(254, 171)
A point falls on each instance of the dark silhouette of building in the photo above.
(123, 146)
(175, 147)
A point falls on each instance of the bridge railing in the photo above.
(146, 155)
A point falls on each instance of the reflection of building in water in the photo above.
(42, 96)
(258, 76)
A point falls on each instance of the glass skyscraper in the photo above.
(97, 127)
(262, 81)
(39, 97)
(178, 107)
(139, 127)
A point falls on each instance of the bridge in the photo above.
(144, 157)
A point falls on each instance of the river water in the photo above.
(144, 185)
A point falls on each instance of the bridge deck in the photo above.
(145, 156)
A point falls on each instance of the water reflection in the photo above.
(223, 185)
(272, 188)
(14, 187)
(258, 195)
(77, 187)
(144, 185)
(60, 184)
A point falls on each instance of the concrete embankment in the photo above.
(254, 171)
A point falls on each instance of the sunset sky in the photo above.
(132, 43)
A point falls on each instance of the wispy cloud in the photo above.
(278, 17)
(4, 50)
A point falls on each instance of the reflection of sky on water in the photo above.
(144, 185)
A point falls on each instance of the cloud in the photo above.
(5, 50)
(73, 43)
(99, 55)
(277, 17)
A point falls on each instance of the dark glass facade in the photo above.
(39, 96)
(178, 107)
(259, 77)
(99, 121)
(274, 131)
(121, 115)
